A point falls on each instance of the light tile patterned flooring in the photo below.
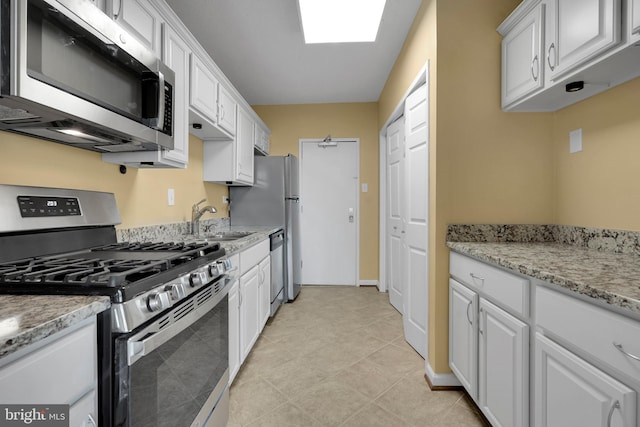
(337, 357)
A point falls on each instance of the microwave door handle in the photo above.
(161, 101)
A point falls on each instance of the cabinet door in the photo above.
(234, 331)
(572, 392)
(83, 413)
(203, 93)
(463, 336)
(578, 30)
(244, 147)
(141, 20)
(265, 290)
(176, 56)
(503, 367)
(249, 311)
(226, 110)
(522, 70)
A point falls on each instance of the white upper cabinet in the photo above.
(261, 140)
(212, 109)
(203, 90)
(141, 20)
(231, 162)
(578, 30)
(226, 110)
(583, 51)
(244, 138)
(522, 67)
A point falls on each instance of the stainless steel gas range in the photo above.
(163, 346)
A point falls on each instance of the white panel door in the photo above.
(503, 367)
(329, 212)
(572, 392)
(415, 293)
(395, 203)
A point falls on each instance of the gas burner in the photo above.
(122, 270)
(82, 272)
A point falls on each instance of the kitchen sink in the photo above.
(227, 235)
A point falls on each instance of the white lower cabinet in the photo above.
(61, 371)
(585, 359)
(264, 302)
(488, 344)
(572, 392)
(234, 330)
(503, 367)
(463, 336)
(249, 310)
(247, 302)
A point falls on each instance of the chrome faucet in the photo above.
(196, 214)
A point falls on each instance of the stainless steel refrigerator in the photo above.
(273, 200)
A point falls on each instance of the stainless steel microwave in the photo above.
(70, 74)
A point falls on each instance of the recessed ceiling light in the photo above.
(340, 21)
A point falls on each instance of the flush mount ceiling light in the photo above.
(340, 21)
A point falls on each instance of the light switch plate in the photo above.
(365, 187)
(575, 141)
(171, 197)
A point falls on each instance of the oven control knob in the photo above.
(176, 291)
(158, 301)
(197, 279)
(214, 270)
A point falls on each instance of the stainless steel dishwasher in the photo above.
(277, 270)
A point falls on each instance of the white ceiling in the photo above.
(259, 46)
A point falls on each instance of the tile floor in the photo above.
(337, 357)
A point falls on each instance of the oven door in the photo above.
(174, 371)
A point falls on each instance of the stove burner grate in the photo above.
(74, 271)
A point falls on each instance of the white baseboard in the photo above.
(368, 283)
(441, 380)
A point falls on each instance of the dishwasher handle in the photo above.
(276, 240)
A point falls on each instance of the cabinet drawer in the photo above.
(504, 288)
(593, 329)
(253, 255)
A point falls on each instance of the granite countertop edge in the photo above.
(620, 290)
(41, 316)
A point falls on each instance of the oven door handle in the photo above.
(153, 336)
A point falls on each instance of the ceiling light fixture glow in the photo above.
(340, 21)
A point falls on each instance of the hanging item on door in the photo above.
(326, 142)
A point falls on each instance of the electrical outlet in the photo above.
(171, 197)
(225, 200)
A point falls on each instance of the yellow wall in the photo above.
(141, 194)
(486, 166)
(290, 123)
(599, 187)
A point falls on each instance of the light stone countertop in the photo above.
(26, 319)
(610, 277)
